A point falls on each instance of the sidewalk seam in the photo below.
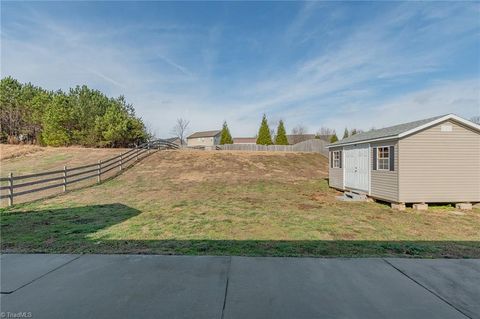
(226, 286)
(427, 289)
(45, 274)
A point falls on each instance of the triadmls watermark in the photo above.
(20, 314)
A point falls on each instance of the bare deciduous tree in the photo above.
(272, 133)
(475, 119)
(299, 130)
(180, 129)
(150, 131)
(325, 133)
(298, 133)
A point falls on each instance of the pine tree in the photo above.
(354, 131)
(281, 137)
(345, 134)
(334, 138)
(264, 136)
(80, 116)
(226, 137)
(56, 121)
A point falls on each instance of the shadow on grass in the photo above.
(67, 230)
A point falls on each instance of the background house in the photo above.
(432, 160)
(207, 139)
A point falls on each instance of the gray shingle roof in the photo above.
(204, 134)
(391, 131)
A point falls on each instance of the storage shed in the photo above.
(436, 160)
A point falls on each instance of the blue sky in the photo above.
(333, 64)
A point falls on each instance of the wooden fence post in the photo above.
(10, 189)
(99, 171)
(136, 155)
(64, 179)
(121, 161)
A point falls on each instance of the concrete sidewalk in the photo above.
(148, 286)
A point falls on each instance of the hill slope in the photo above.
(233, 203)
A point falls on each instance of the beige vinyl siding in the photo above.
(204, 141)
(440, 166)
(384, 184)
(335, 175)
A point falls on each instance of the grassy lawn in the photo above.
(220, 203)
(25, 159)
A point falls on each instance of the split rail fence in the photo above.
(16, 185)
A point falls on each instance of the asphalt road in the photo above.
(149, 286)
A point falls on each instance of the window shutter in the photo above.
(391, 154)
(341, 155)
(374, 158)
(331, 159)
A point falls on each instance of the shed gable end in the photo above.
(440, 164)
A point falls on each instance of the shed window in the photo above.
(337, 159)
(383, 158)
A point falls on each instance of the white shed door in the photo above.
(357, 167)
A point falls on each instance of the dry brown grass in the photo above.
(234, 166)
(236, 203)
(26, 159)
(8, 151)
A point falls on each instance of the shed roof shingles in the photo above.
(390, 131)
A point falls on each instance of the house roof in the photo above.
(401, 130)
(204, 134)
(252, 140)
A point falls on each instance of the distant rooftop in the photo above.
(204, 134)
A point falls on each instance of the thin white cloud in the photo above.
(107, 78)
(177, 66)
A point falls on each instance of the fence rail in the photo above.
(311, 146)
(94, 170)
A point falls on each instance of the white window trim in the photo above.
(336, 160)
(387, 158)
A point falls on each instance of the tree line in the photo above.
(267, 136)
(81, 116)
